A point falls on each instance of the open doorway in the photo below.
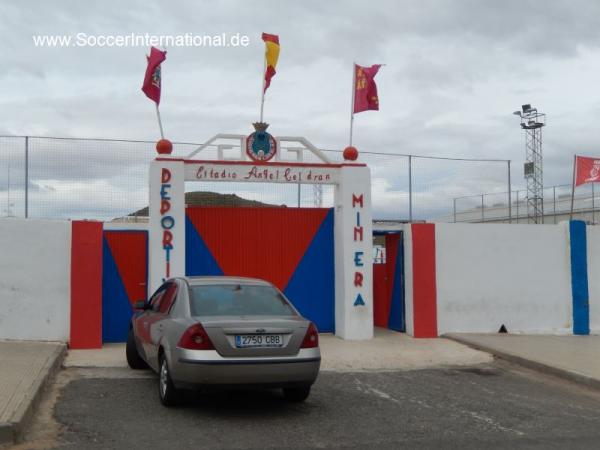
(388, 280)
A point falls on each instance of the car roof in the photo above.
(208, 280)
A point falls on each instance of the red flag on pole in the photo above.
(152, 79)
(365, 89)
(587, 170)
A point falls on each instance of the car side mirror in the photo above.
(140, 304)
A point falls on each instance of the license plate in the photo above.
(258, 340)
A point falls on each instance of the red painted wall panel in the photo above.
(381, 295)
(266, 243)
(86, 285)
(424, 285)
(129, 250)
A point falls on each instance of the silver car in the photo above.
(226, 332)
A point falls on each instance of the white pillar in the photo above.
(353, 235)
(166, 240)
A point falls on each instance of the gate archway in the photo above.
(349, 221)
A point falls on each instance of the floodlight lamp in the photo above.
(517, 113)
(526, 108)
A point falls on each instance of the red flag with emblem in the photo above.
(587, 170)
(152, 79)
(365, 89)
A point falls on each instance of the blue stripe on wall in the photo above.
(116, 310)
(198, 258)
(579, 277)
(396, 319)
(311, 288)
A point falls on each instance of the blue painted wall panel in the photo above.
(116, 310)
(396, 319)
(579, 277)
(198, 258)
(312, 286)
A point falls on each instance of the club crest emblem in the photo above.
(156, 77)
(595, 171)
(260, 145)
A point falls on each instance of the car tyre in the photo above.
(134, 359)
(168, 393)
(296, 395)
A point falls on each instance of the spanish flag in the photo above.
(271, 56)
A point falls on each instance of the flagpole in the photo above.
(573, 186)
(262, 94)
(352, 102)
(162, 134)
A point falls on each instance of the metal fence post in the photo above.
(26, 177)
(593, 206)
(554, 203)
(509, 195)
(517, 206)
(410, 188)
(482, 216)
(454, 208)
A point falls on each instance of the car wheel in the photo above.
(296, 395)
(169, 395)
(134, 359)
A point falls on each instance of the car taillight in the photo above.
(195, 338)
(311, 340)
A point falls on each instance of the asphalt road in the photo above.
(495, 406)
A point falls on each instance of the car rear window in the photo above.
(238, 300)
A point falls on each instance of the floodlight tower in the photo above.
(532, 122)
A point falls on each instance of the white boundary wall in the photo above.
(35, 274)
(517, 275)
(593, 259)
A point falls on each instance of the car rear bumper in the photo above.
(208, 368)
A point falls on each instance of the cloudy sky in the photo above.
(455, 71)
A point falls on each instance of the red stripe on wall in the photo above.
(86, 285)
(424, 286)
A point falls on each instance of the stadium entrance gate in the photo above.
(188, 242)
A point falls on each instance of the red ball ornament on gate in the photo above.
(350, 153)
(164, 147)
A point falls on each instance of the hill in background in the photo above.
(200, 198)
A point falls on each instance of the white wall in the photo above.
(120, 226)
(35, 273)
(516, 275)
(593, 258)
(408, 281)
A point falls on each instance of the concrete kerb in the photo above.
(528, 363)
(13, 430)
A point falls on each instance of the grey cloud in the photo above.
(455, 72)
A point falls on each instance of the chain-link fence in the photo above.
(105, 179)
(556, 204)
